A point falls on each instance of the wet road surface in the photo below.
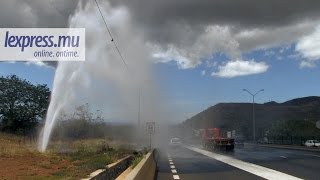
(244, 163)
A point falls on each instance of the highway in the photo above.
(194, 163)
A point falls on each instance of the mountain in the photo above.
(238, 116)
(303, 101)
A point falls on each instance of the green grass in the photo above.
(85, 161)
(136, 159)
(63, 160)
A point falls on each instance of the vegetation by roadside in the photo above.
(63, 160)
(136, 159)
(22, 105)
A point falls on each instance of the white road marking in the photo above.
(283, 157)
(311, 155)
(173, 171)
(176, 177)
(261, 171)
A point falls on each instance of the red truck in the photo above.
(212, 140)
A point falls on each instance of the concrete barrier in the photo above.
(145, 170)
(112, 171)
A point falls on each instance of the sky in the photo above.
(202, 52)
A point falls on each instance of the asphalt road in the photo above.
(244, 163)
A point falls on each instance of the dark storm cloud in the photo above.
(180, 27)
(158, 13)
(36, 13)
(53, 13)
(167, 20)
(176, 21)
(241, 12)
(180, 22)
(183, 29)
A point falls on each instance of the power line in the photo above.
(117, 48)
(112, 39)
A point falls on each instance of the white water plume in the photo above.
(102, 80)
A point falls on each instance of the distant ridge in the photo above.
(238, 116)
(303, 100)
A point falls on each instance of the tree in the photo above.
(22, 104)
(296, 128)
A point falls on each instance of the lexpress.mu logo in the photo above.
(40, 41)
(42, 44)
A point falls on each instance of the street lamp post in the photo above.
(253, 112)
(139, 109)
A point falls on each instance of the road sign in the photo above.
(318, 124)
(151, 127)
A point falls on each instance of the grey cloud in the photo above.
(167, 13)
(167, 21)
(245, 12)
(16, 13)
(263, 38)
(36, 13)
(180, 24)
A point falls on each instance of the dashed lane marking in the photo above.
(176, 177)
(261, 171)
(283, 157)
(173, 171)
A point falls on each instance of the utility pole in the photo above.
(150, 129)
(253, 113)
(139, 108)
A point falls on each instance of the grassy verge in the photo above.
(63, 160)
(136, 160)
(137, 157)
